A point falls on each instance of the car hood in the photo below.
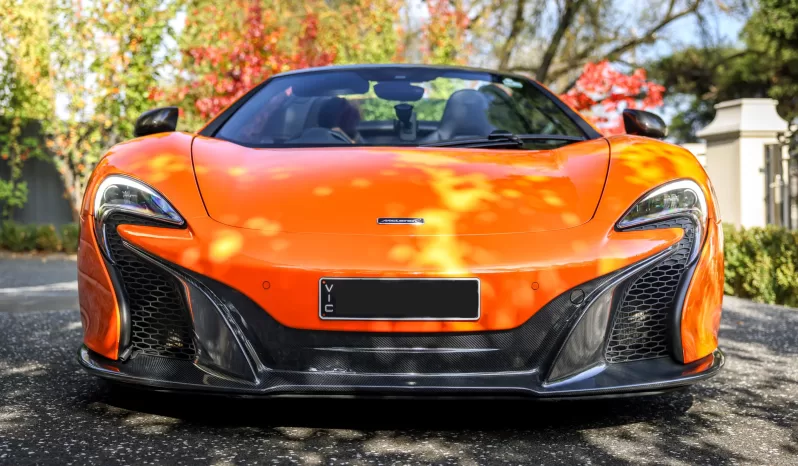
(346, 190)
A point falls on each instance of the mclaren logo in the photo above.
(399, 221)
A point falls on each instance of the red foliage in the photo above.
(238, 60)
(602, 92)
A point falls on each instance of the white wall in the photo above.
(735, 157)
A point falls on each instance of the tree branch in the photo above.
(629, 44)
(515, 29)
(572, 7)
(485, 10)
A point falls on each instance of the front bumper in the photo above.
(639, 377)
(242, 351)
(573, 346)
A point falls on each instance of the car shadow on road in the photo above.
(399, 413)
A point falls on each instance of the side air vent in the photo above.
(640, 326)
(159, 320)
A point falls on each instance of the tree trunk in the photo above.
(506, 51)
(572, 7)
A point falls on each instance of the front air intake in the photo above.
(640, 328)
(159, 319)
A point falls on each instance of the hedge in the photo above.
(16, 237)
(762, 264)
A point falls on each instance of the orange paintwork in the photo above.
(345, 190)
(703, 304)
(99, 313)
(507, 265)
(291, 216)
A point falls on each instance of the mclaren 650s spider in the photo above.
(398, 230)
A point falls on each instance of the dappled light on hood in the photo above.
(265, 226)
(345, 190)
(322, 191)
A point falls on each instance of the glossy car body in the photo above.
(570, 305)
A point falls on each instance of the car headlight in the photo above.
(122, 194)
(683, 197)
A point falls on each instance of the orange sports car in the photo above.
(403, 230)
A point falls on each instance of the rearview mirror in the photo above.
(158, 120)
(642, 123)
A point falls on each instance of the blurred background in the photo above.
(75, 74)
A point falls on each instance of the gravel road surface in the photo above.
(51, 412)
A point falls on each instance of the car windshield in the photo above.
(397, 106)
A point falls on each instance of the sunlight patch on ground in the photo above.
(296, 433)
(25, 369)
(151, 424)
(429, 450)
(11, 417)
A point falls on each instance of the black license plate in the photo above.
(399, 298)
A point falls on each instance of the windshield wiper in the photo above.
(501, 138)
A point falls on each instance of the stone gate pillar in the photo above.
(735, 159)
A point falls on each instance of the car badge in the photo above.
(399, 221)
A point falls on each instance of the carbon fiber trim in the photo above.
(633, 377)
(529, 347)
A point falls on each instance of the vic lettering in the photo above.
(329, 308)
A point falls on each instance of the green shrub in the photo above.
(13, 236)
(31, 233)
(46, 239)
(20, 238)
(70, 234)
(762, 264)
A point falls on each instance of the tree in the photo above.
(363, 31)
(601, 92)
(223, 62)
(107, 55)
(553, 40)
(444, 33)
(243, 49)
(26, 94)
(772, 31)
(259, 38)
(697, 78)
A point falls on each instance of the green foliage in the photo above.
(14, 194)
(772, 34)
(762, 264)
(25, 92)
(16, 237)
(380, 110)
(363, 31)
(766, 66)
(699, 78)
(70, 236)
(47, 239)
(109, 54)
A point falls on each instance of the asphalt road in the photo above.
(51, 412)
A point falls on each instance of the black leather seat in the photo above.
(465, 115)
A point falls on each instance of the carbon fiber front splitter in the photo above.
(639, 377)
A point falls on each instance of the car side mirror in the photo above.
(158, 120)
(643, 123)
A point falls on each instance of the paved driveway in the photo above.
(52, 412)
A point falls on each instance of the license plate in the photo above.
(399, 298)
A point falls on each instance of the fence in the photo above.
(46, 202)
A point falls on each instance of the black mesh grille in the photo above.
(640, 327)
(159, 321)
